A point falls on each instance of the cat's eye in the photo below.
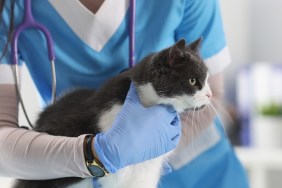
(192, 81)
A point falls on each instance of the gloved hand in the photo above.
(138, 134)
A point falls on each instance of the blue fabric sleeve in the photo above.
(202, 18)
(218, 167)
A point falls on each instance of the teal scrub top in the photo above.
(159, 24)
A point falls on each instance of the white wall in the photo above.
(254, 34)
(236, 21)
(235, 15)
(266, 30)
(253, 29)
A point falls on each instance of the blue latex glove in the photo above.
(138, 134)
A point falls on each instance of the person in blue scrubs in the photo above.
(93, 46)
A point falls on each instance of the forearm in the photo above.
(28, 154)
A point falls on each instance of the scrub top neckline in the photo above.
(93, 29)
(92, 11)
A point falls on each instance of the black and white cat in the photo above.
(175, 76)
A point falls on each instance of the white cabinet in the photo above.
(264, 166)
(6, 182)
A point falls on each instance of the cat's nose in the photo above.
(209, 95)
(208, 92)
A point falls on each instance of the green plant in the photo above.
(271, 109)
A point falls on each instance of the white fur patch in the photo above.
(106, 119)
(201, 96)
(149, 97)
(142, 175)
(147, 94)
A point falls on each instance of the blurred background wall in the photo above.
(253, 29)
(254, 34)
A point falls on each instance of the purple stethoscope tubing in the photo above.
(29, 23)
(132, 13)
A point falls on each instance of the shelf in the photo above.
(253, 157)
(258, 162)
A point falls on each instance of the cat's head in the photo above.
(176, 76)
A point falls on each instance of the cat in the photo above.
(174, 76)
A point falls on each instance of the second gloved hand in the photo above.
(138, 134)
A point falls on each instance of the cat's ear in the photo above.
(181, 44)
(176, 50)
(195, 46)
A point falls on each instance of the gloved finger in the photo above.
(165, 112)
(175, 139)
(176, 120)
(174, 130)
(170, 109)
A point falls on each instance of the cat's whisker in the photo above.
(222, 110)
(193, 143)
(205, 117)
(212, 109)
(210, 117)
(202, 118)
(226, 117)
(198, 127)
(201, 121)
(202, 124)
(186, 130)
(216, 90)
(221, 123)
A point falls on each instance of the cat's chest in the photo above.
(107, 117)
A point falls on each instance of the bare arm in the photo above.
(27, 154)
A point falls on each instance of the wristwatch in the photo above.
(93, 165)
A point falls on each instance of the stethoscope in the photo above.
(29, 22)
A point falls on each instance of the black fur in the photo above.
(77, 113)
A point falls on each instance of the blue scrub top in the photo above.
(159, 24)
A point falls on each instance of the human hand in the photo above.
(138, 134)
